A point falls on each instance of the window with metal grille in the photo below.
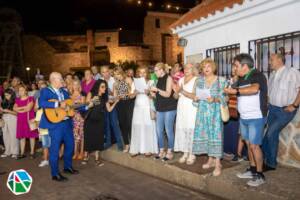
(223, 57)
(287, 44)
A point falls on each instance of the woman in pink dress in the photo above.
(88, 82)
(24, 106)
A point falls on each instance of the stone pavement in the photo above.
(110, 181)
(284, 183)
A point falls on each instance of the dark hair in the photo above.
(9, 103)
(95, 90)
(244, 59)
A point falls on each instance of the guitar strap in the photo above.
(59, 94)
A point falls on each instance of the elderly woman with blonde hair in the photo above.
(208, 133)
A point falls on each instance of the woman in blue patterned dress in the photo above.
(208, 133)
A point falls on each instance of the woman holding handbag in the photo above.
(9, 118)
(208, 133)
(24, 106)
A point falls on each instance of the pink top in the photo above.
(86, 88)
(177, 76)
(23, 130)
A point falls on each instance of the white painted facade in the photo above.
(254, 19)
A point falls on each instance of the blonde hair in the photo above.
(138, 70)
(210, 62)
(120, 71)
(79, 86)
(161, 65)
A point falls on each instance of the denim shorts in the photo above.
(46, 141)
(252, 130)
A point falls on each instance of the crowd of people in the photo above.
(181, 110)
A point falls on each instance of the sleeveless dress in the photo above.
(143, 134)
(23, 130)
(94, 128)
(185, 120)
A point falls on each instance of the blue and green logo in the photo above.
(19, 182)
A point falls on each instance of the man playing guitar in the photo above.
(60, 132)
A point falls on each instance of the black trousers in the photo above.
(125, 112)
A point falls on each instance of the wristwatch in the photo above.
(295, 106)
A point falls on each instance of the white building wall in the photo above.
(252, 20)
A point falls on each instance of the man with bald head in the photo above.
(61, 132)
(284, 100)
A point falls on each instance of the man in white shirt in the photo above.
(95, 72)
(284, 100)
(112, 122)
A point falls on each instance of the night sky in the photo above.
(67, 16)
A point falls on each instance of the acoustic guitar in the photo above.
(56, 115)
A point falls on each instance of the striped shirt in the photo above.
(284, 85)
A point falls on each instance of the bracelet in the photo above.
(296, 107)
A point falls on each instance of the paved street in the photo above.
(108, 182)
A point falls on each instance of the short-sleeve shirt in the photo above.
(253, 106)
(284, 86)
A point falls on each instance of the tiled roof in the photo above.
(204, 9)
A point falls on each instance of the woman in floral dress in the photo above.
(78, 97)
(208, 135)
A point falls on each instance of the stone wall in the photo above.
(153, 35)
(37, 53)
(289, 143)
(62, 62)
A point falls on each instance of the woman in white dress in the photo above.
(186, 115)
(143, 134)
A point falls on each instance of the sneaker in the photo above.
(44, 163)
(257, 180)
(4, 156)
(247, 174)
(14, 156)
(237, 158)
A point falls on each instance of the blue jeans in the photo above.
(277, 120)
(165, 120)
(112, 125)
(252, 130)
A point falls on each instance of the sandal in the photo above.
(191, 160)
(161, 155)
(218, 170)
(99, 163)
(126, 150)
(183, 158)
(168, 157)
(148, 154)
(208, 165)
(32, 156)
(85, 160)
